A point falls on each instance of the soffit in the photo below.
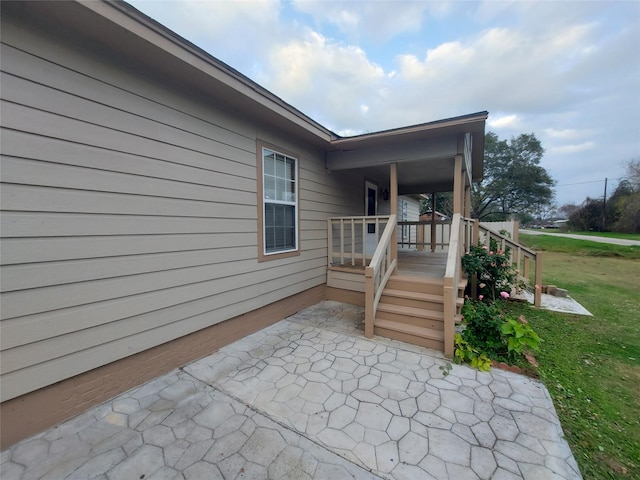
(424, 153)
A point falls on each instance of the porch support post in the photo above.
(467, 201)
(457, 185)
(433, 222)
(393, 197)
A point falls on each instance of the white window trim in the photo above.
(263, 254)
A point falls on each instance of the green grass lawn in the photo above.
(579, 247)
(591, 365)
(625, 236)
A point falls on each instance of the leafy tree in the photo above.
(444, 203)
(589, 216)
(567, 209)
(626, 201)
(633, 174)
(622, 208)
(514, 182)
(629, 218)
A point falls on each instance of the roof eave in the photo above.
(472, 123)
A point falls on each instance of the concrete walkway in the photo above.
(310, 397)
(612, 241)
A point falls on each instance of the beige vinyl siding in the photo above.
(413, 208)
(413, 215)
(129, 213)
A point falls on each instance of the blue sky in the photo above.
(568, 71)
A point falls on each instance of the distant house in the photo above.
(560, 223)
(157, 204)
(439, 217)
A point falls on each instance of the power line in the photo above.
(583, 183)
(579, 183)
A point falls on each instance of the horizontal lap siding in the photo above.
(130, 214)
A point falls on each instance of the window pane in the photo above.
(270, 244)
(280, 189)
(269, 162)
(279, 216)
(289, 217)
(291, 169)
(280, 166)
(279, 227)
(289, 237)
(290, 195)
(269, 188)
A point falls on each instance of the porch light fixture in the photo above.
(385, 194)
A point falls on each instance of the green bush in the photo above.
(483, 327)
(520, 336)
(492, 266)
(465, 353)
(488, 334)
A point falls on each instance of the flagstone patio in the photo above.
(310, 397)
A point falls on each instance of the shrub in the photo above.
(493, 269)
(483, 327)
(465, 353)
(520, 336)
(490, 335)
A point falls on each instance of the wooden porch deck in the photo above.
(422, 264)
(411, 263)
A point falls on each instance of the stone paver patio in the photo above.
(310, 397)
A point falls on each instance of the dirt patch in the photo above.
(613, 464)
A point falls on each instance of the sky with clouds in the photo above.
(568, 71)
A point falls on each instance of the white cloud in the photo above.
(575, 148)
(379, 20)
(508, 69)
(236, 32)
(506, 121)
(331, 81)
(564, 134)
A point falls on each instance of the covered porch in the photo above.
(409, 281)
(412, 291)
(405, 272)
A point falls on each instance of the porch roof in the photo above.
(424, 153)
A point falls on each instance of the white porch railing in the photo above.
(424, 235)
(353, 240)
(377, 273)
(371, 242)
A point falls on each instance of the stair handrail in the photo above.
(451, 280)
(522, 256)
(377, 273)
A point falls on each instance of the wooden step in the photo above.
(415, 284)
(429, 301)
(421, 284)
(419, 317)
(413, 334)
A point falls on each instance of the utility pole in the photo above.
(604, 207)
